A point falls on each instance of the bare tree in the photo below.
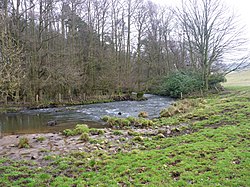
(11, 70)
(141, 22)
(211, 33)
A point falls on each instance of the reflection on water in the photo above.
(34, 121)
(18, 123)
(21, 123)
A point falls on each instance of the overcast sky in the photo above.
(241, 8)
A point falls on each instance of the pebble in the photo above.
(168, 131)
(160, 136)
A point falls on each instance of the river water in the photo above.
(35, 121)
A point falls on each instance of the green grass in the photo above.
(239, 78)
(214, 152)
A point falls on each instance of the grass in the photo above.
(213, 150)
(238, 78)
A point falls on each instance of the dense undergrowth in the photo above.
(210, 148)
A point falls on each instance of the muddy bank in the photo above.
(111, 142)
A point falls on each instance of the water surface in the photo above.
(35, 121)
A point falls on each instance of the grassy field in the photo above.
(208, 146)
(239, 78)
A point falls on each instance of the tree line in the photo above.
(52, 50)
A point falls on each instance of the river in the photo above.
(35, 121)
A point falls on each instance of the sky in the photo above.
(240, 7)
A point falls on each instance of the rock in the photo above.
(52, 123)
(158, 147)
(97, 145)
(143, 114)
(167, 132)
(106, 141)
(33, 158)
(176, 129)
(160, 135)
(138, 138)
(112, 150)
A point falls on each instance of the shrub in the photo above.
(214, 80)
(181, 82)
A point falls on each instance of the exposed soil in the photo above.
(58, 144)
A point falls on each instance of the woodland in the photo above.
(57, 50)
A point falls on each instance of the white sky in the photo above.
(240, 7)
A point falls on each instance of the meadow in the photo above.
(238, 78)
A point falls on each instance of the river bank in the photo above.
(108, 140)
(17, 107)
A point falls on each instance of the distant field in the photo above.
(241, 78)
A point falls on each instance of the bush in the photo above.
(214, 80)
(181, 82)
